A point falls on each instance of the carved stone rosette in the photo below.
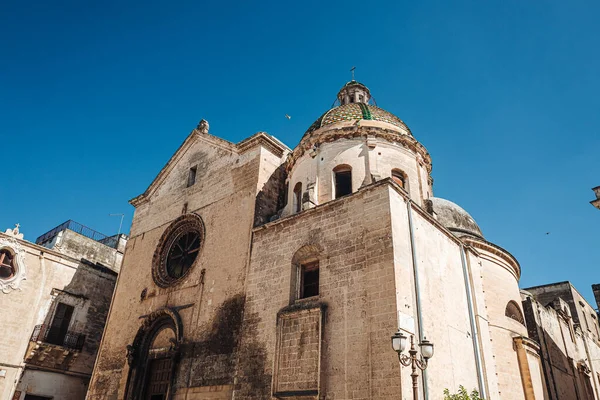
(12, 283)
(183, 224)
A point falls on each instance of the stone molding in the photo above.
(495, 250)
(13, 283)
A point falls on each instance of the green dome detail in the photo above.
(353, 112)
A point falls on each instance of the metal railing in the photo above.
(75, 227)
(70, 340)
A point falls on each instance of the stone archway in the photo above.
(153, 356)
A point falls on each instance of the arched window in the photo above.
(297, 200)
(7, 264)
(514, 311)
(305, 272)
(400, 178)
(343, 180)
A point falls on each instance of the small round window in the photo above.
(7, 264)
(178, 250)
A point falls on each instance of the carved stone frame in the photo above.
(15, 248)
(138, 356)
(183, 224)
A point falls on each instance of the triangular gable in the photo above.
(260, 138)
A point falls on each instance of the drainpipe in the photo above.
(475, 332)
(417, 291)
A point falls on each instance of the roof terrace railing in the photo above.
(73, 226)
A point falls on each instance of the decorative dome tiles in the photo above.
(353, 112)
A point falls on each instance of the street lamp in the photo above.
(412, 359)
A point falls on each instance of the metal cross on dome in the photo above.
(352, 70)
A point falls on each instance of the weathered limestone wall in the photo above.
(500, 286)
(30, 304)
(352, 237)
(53, 385)
(349, 232)
(443, 298)
(210, 303)
(52, 278)
(567, 347)
(78, 246)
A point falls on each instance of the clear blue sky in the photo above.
(96, 96)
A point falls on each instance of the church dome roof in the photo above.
(354, 100)
(455, 218)
(353, 112)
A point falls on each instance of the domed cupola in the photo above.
(356, 105)
(454, 218)
(352, 145)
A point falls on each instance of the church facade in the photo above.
(256, 271)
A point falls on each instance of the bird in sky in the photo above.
(287, 116)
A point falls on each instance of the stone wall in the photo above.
(53, 385)
(356, 276)
(78, 246)
(52, 278)
(566, 346)
(210, 299)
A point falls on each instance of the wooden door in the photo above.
(159, 379)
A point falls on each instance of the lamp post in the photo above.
(415, 361)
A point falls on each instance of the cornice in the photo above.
(496, 250)
(263, 139)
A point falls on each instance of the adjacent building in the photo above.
(566, 327)
(255, 271)
(55, 296)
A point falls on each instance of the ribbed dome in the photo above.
(353, 112)
(454, 217)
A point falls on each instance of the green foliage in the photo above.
(462, 394)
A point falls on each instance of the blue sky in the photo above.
(96, 96)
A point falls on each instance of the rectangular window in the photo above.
(343, 183)
(587, 324)
(309, 280)
(60, 324)
(192, 176)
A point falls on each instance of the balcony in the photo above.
(70, 340)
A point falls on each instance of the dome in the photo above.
(455, 218)
(353, 112)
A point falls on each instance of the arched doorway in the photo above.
(153, 356)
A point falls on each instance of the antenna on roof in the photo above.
(352, 70)
(121, 224)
